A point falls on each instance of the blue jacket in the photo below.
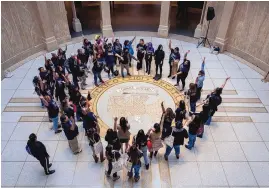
(129, 46)
(200, 79)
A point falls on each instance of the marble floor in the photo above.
(234, 151)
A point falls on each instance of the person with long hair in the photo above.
(141, 141)
(123, 132)
(194, 124)
(168, 116)
(179, 133)
(61, 56)
(181, 112)
(159, 57)
(154, 135)
(200, 80)
(174, 57)
(128, 44)
(140, 48)
(134, 155)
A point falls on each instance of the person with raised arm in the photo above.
(183, 71)
(128, 44)
(200, 80)
(174, 58)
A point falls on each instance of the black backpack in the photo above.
(214, 101)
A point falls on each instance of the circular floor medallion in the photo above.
(137, 97)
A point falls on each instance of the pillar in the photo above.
(222, 35)
(163, 29)
(106, 19)
(75, 22)
(50, 40)
(198, 30)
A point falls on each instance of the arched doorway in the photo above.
(185, 16)
(135, 15)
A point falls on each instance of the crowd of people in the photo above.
(66, 105)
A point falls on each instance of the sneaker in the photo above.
(137, 178)
(129, 74)
(96, 84)
(50, 172)
(149, 73)
(50, 165)
(116, 178)
(58, 131)
(78, 152)
(96, 159)
(186, 146)
(176, 85)
(102, 160)
(166, 157)
(173, 77)
(147, 166)
(102, 81)
(169, 76)
(182, 89)
(109, 76)
(177, 156)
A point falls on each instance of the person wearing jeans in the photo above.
(134, 155)
(194, 125)
(192, 95)
(179, 133)
(141, 141)
(97, 69)
(112, 155)
(53, 111)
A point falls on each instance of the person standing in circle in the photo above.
(159, 57)
(38, 150)
(71, 133)
(148, 57)
(123, 132)
(140, 48)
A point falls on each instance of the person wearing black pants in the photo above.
(183, 71)
(38, 150)
(141, 47)
(159, 57)
(112, 156)
(174, 56)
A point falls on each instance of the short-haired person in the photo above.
(126, 61)
(71, 133)
(123, 132)
(38, 150)
(128, 44)
(53, 111)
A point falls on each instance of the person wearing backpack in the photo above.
(38, 150)
(112, 156)
(179, 133)
(134, 155)
(53, 111)
(71, 133)
(214, 100)
(94, 138)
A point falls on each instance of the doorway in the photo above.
(135, 15)
(185, 16)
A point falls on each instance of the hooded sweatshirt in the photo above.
(159, 54)
(149, 51)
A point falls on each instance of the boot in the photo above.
(50, 172)
(102, 158)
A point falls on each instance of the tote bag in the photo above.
(116, 165)
(98, 147)
(174, 67)
(169, 141)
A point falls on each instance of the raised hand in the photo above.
(115, 119)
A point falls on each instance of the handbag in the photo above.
(149, 145)
(169, 141)
(200, 130)
(174, 67)
(98, 147)
(157, 144)
(116, 165)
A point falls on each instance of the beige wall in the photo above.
(22, 31)
(248, 34)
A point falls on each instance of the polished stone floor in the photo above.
(234, 151)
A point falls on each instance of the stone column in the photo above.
(50, 40)
(198, 30)
(222, 35)
(163, 29)
(106, 19)
(76, 23)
